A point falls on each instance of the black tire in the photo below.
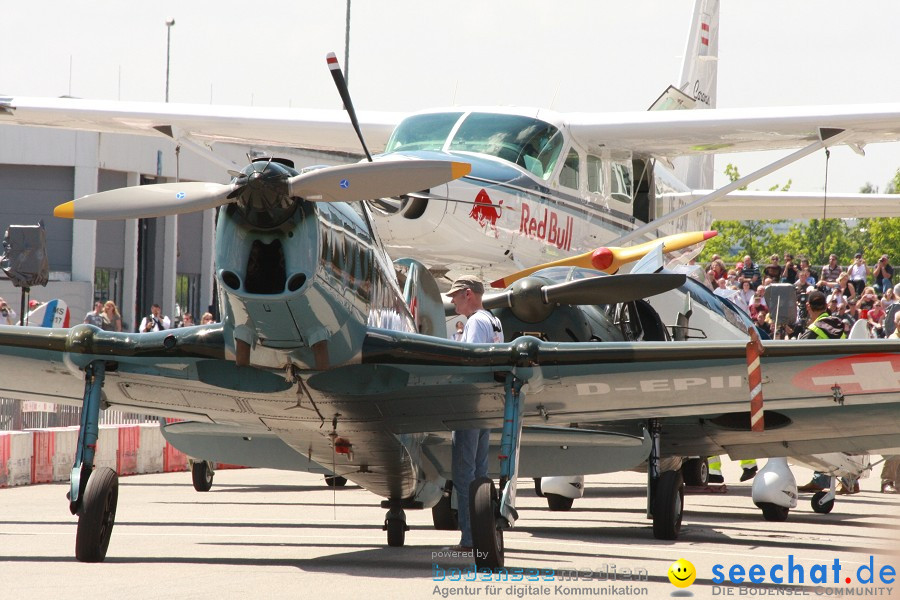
(487, 538)
(97, 516)
(335, 481)
(696, 472)
(202, 476)
(824, 508)
(557, 502)
(537, 487)
(396, 532)
(668, 505)
(444, 516)
(773, 512)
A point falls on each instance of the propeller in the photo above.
(342, 183)
(610, 259)
(531, 300)
(338, 75)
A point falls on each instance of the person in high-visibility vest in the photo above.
(748, 467)
(823, 326)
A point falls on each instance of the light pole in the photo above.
(169, 22)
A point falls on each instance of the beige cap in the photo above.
(466, 283)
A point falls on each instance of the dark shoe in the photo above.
(810, 487)
(888, 487)
(716, 478)
(749, 473)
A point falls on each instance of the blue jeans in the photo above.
(470, 461)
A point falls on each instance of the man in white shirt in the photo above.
(154, 322)
(470, 446)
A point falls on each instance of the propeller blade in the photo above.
(610, 259)
(612, 290)
(365, 181)
(344, 91)
(146, 201)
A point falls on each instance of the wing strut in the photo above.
(827, 137)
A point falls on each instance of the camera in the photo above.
(802, 313)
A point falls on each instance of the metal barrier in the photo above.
(17, 415)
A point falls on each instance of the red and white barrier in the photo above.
(16, 448)
(150, 451)
(46, 455)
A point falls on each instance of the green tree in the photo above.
(738, 238)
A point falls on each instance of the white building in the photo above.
(135, 262)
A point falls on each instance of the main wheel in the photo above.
(444, 516)
(696, 472)
(202, 476)
(668, 505)
(558, 502)
(335, 481)
(773, 512)
(487, 537)
(823, 508)
(396, 531)
(97, 516)
(537, 487)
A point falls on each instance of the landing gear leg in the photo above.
(491, 514)
(823, 502)
(665, 491)
(93, 495)
(395, 524)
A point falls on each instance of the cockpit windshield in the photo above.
(530, 143)
(423, 132)
(527, 142)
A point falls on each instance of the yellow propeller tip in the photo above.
(65, 211)
(460, 169)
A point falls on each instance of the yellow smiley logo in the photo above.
(682, 573)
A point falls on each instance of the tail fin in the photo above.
(698, 80)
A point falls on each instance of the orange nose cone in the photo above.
(601, 258)
(710, 234)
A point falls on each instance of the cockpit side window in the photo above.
(620, 183)
(530, 143)
(423, 132)
(568, 176)
(594, 168)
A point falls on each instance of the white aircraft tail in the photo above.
(699, 72)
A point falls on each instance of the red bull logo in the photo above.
(547, 227)
(484, 211)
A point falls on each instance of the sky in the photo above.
(405, 55)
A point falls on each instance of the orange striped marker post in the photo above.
(754, 379)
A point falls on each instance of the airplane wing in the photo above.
(723, 130)
(327, 130)
(663, 134)
(368, 418)
(800, 205)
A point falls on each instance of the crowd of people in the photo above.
(852, 293)
(830, 301)
(106, 316)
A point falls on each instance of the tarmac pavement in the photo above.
(275, 534)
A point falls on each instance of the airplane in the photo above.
(318, 348)
(543, 185)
